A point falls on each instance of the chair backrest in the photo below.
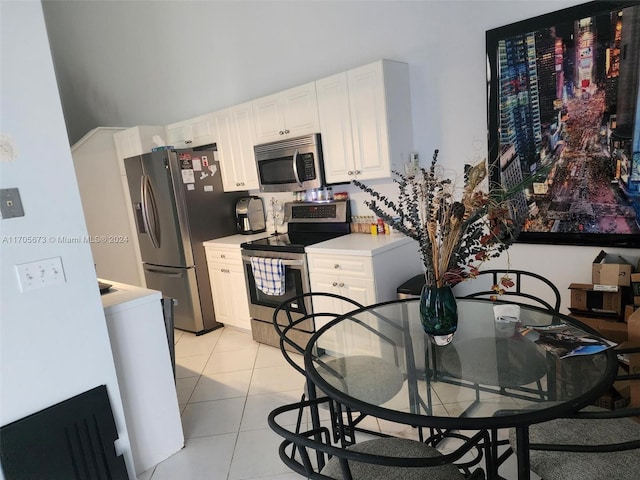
(524, 285)
(594, 439)
(311, 453)
(286, 324)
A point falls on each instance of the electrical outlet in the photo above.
(10, 203)
(41, 273)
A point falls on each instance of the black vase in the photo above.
(438, 313)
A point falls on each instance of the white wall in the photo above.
(133, 63)
(53, 341)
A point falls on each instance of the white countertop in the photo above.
(357, 244)
(234, 240)
(122, 296)
(362, 244)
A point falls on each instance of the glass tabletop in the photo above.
(491, 375)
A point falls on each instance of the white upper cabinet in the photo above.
(290, 113)
(194, 132)
(136, 141)
(373, 104)
(335, 127)
(235, 137)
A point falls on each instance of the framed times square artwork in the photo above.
(563, 100)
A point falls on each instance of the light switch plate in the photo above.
(41, 273)
(10, 203)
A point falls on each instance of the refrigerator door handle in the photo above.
(149, 211)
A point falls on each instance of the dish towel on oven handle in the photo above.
(269, 275)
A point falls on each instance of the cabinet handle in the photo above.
(350, 172)
(224, 270)
(188, 141)
(237, 184)
(335, 284)
(241, 184)
(223, 256)
(286, 131)
(341, 284)
(281, 132)
(358, 172)
(336, 265)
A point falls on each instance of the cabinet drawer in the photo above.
(224, 256)
(352, 266)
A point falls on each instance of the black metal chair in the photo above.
(523, 283)
(594, 443)
(513, 382)
(383, 388)
(311, 453)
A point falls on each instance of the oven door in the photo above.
(262, 305)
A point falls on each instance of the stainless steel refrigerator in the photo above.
(178, 203)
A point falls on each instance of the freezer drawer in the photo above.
(182, 285)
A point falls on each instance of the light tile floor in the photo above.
(227, 384)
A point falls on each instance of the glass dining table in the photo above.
(490, 377)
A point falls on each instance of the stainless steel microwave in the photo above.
(290, 165)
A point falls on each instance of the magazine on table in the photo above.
(564, 340)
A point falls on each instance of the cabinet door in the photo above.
(328, 284)
(361, 290)
(135, 141)
(243, 135)
(369, 121)
(360, 341)
(224, 144)
(290, 113)
(219, 275)
(194, 132)
(335, 127)
(268, 113)
(300, 110)
(241, 317)
(234, 135)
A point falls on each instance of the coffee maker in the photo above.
(250, 216)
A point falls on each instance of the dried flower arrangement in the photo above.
(456, 234)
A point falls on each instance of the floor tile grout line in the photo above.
(244, 407)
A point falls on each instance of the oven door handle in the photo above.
(287, 263)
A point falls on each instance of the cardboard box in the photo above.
(585, 299)
(633, 333)
(609, 329)
(633, 362)
(628, 310)
(633, 327)
(635, 288)
(613, 399)
(609, 269)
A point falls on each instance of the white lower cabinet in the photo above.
(228, 287)
(359, 289)
(367, 279)
(142, 360)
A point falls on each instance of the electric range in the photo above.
(308, 223)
